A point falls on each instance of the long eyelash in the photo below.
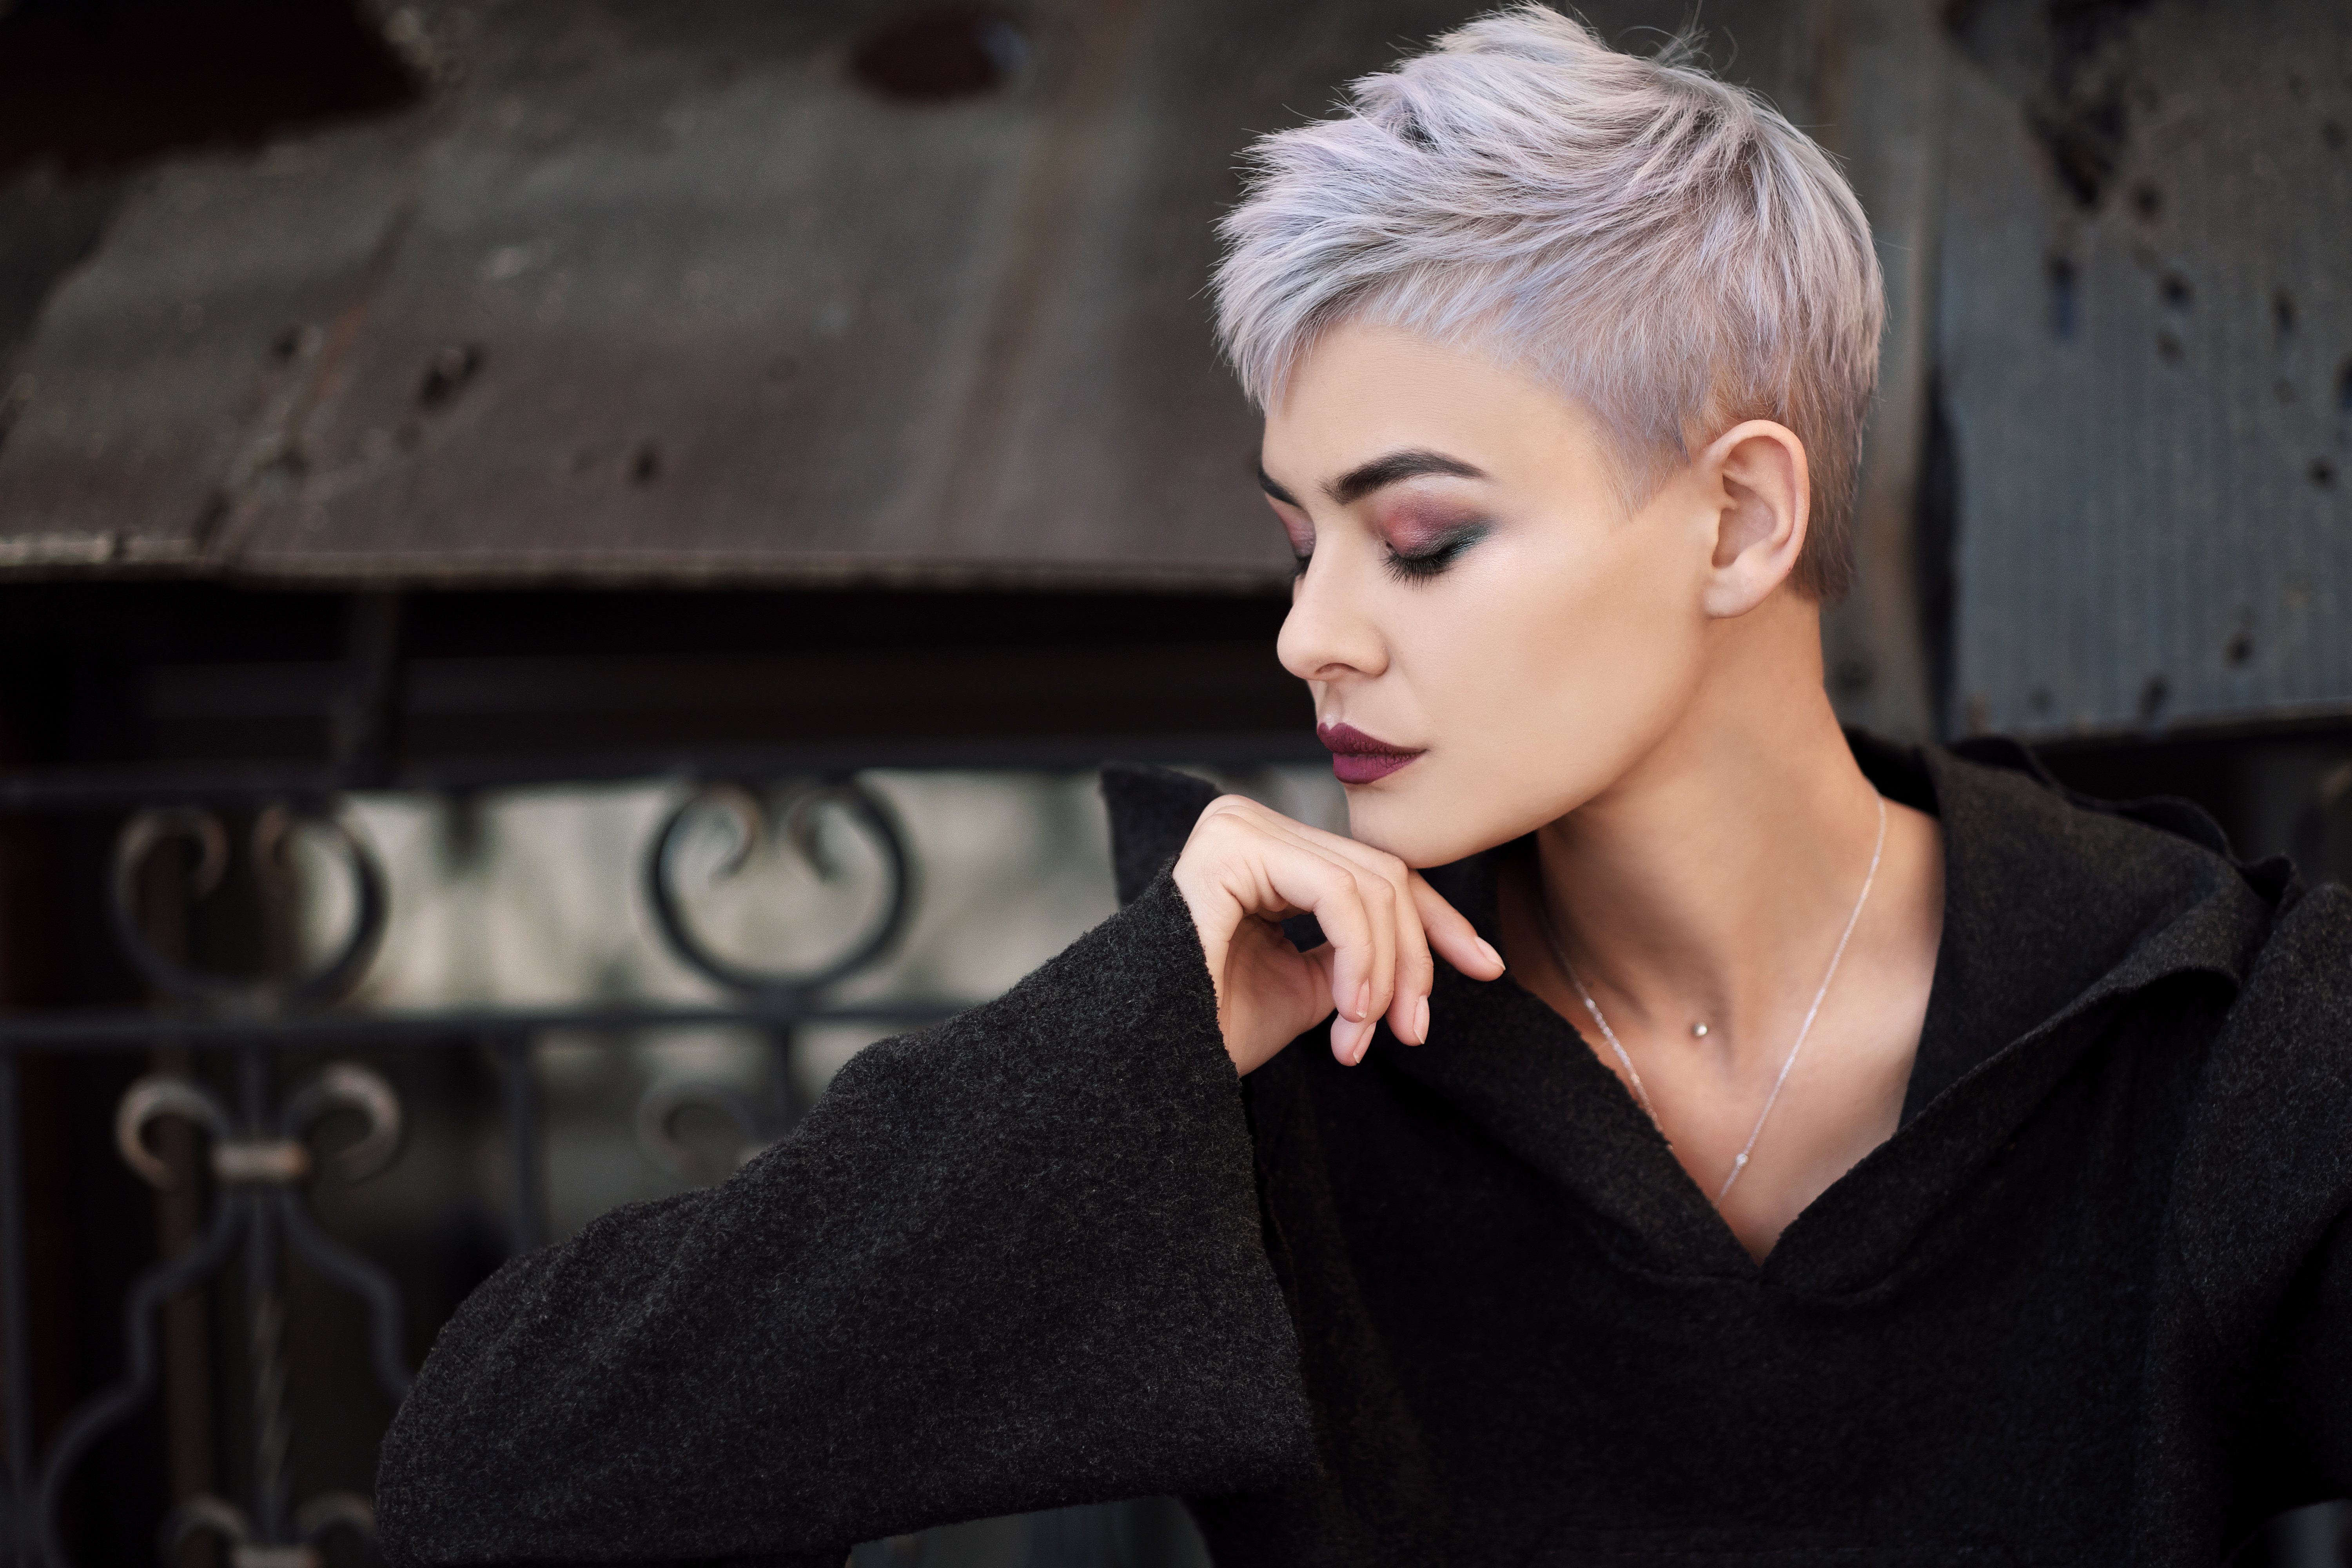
(1424, 564)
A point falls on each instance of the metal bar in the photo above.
(99, 1414)
(256, 1022)
(15, 1326)
(273, 1425)
(362, 1278)
(519, 1086)
(273, 1435)
(780, 1087)
(365, 716)
(97, 1031)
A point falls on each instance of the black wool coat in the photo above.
(2092, 1303)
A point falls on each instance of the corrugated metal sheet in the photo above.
(1879, 110)
(649, 291)
(658, 291)
(2150, 391)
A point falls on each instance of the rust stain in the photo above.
(275, 460)
(1059, 160)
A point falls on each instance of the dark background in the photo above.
(234, 662)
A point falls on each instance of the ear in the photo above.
(1756, 478)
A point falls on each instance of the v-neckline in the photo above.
(1993, 1043)
(1697, 1231)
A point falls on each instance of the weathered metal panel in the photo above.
(1879, 110)
(156, 373)
(659, 291)
(648, 292)
(1108, 427)
(2150, 390)
(699, 305)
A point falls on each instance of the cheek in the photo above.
(1559, 642)
(1543, 686)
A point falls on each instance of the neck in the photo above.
(1707, 881)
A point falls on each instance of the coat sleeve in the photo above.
(1014, 1262)
(2262, 1230)
(2309, 1418)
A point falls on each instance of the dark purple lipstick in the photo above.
(1358, 757)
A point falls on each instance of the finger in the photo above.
(1395, 977)
(1245, 832)
(1274, 824)
(1349, 1038)
(1298, 878)
(1382, 902)
(1358, 914)
(1404, 952)
(1352, 1030)
(1359, 983)
(1411, 971)
(1415, 974)
(1350, 1041)
(1433, 925)
(1451, 934)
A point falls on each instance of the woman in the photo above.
(1750, 1146)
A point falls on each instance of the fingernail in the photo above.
(1363, 1003)
(1362, 1046)
(1489, 948)
(1421, 1021)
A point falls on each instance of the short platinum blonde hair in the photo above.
(1662, 248)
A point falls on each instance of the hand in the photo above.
(1246, 870)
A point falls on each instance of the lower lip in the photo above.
(1363, 767)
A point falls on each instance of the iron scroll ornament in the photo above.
(273, 835)
(666, 1099)
(259, 1177)
(747, 817)
(313, 1523)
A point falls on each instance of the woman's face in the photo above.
(1477, 611)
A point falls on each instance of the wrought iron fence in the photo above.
(262, 1148)
(277, 1061)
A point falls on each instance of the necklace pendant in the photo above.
(1698, 1031)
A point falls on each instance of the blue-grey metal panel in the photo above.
(2150, 396)
(658, 292)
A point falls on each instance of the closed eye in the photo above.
(1420, 565)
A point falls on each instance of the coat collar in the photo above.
(2054, 901)
(2055, 906)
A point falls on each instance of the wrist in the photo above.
(1203, 900)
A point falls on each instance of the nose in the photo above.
(1329, 634)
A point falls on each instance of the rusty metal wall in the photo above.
(661, 292)
(2146, 344)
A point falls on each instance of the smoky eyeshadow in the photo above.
(1448, 546)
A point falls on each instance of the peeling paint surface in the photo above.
(2145, 340)
(676, 294)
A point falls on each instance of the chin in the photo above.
(1427, 815)
(1418, 820)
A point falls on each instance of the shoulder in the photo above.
(2112, 896)
(2266, 1170)
(2054, 901)
(2003, 790)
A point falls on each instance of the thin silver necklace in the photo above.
(1739, 1161)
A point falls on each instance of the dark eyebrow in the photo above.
(1265, 482)
(1362, 480)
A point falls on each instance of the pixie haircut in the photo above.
(1662, 248)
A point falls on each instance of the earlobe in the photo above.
(1761, 487)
